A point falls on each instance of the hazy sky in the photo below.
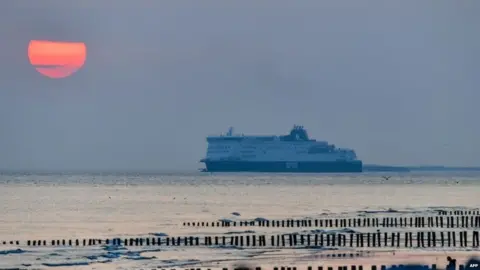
(398, 81)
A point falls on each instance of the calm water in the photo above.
(59, 206)
(194, 178)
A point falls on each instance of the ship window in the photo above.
(318, 150)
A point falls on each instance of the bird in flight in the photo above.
(386, 177)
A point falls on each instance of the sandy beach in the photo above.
(46, 207)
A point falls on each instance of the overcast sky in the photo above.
(398, 81)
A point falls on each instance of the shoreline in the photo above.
(56, 208)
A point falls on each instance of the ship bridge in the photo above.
(231, 137)
(297, 134)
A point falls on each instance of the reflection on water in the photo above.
(53, 206)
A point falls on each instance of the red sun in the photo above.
(56, 59)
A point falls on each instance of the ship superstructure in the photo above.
(294, 152)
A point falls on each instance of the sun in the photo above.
(56, 59)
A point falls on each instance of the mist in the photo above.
(396, 81)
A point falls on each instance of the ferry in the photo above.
(291, 153)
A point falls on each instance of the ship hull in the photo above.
(282, 166)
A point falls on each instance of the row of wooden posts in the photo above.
(352, 267)
(459, 212)
(376, 239)
(413, 222)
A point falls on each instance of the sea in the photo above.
(49, 206)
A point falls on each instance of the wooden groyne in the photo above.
(322, 267)
(459, 212)
(420, 239)
(366, 222)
